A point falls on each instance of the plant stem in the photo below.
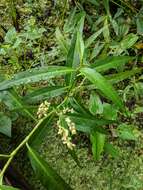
(14, 152)
(4, 156)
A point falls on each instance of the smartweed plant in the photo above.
(86, 87)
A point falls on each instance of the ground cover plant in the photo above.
(76, 70)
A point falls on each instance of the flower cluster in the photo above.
(67, 110)
(43, 108)
(65, 132)
(71, 126)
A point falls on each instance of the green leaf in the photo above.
(139, 23)
(98, 140)
(93, 37)
(106, 32)
(5, 125)
(4, 187)
(42, 131)
(45, 93)
(76, 50)
(11, 36)
(20, 104)
(106, 5)
(35, 75)
(127, 132)
(73, 59)
(102, 84)
(128, 41)
(71, 21)
(62, 41)
(114, 62)
(48, 177)
(78, 107)
(95, 104)
(112, 150)
(115, 78)
(110, 112)
(87, 124)
(96, 50)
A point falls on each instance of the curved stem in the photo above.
(14, 152)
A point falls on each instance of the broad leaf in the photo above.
(5, 125)
(48, 177)
(98, 140)
(102, 84)
(35, 75)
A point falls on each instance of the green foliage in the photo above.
(98, 141)
(3, 187)
(5, 124)
(49, 178)
(103, 85)
(89, 74)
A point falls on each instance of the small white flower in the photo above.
(43, 109)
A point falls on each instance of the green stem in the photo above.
(4, 156)
(14, 152)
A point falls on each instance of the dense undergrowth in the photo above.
(71, 71)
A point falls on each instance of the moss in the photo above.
(124, 172)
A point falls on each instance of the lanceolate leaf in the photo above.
(45, 93)
(20, 104)
(78, 107)
(98, 141)
(89, 124)
(115, 78)
(48, 177)
(102, 84)
(62, 41)
(35, 75)
(93, 37)
(114, 62)
(73, 59)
